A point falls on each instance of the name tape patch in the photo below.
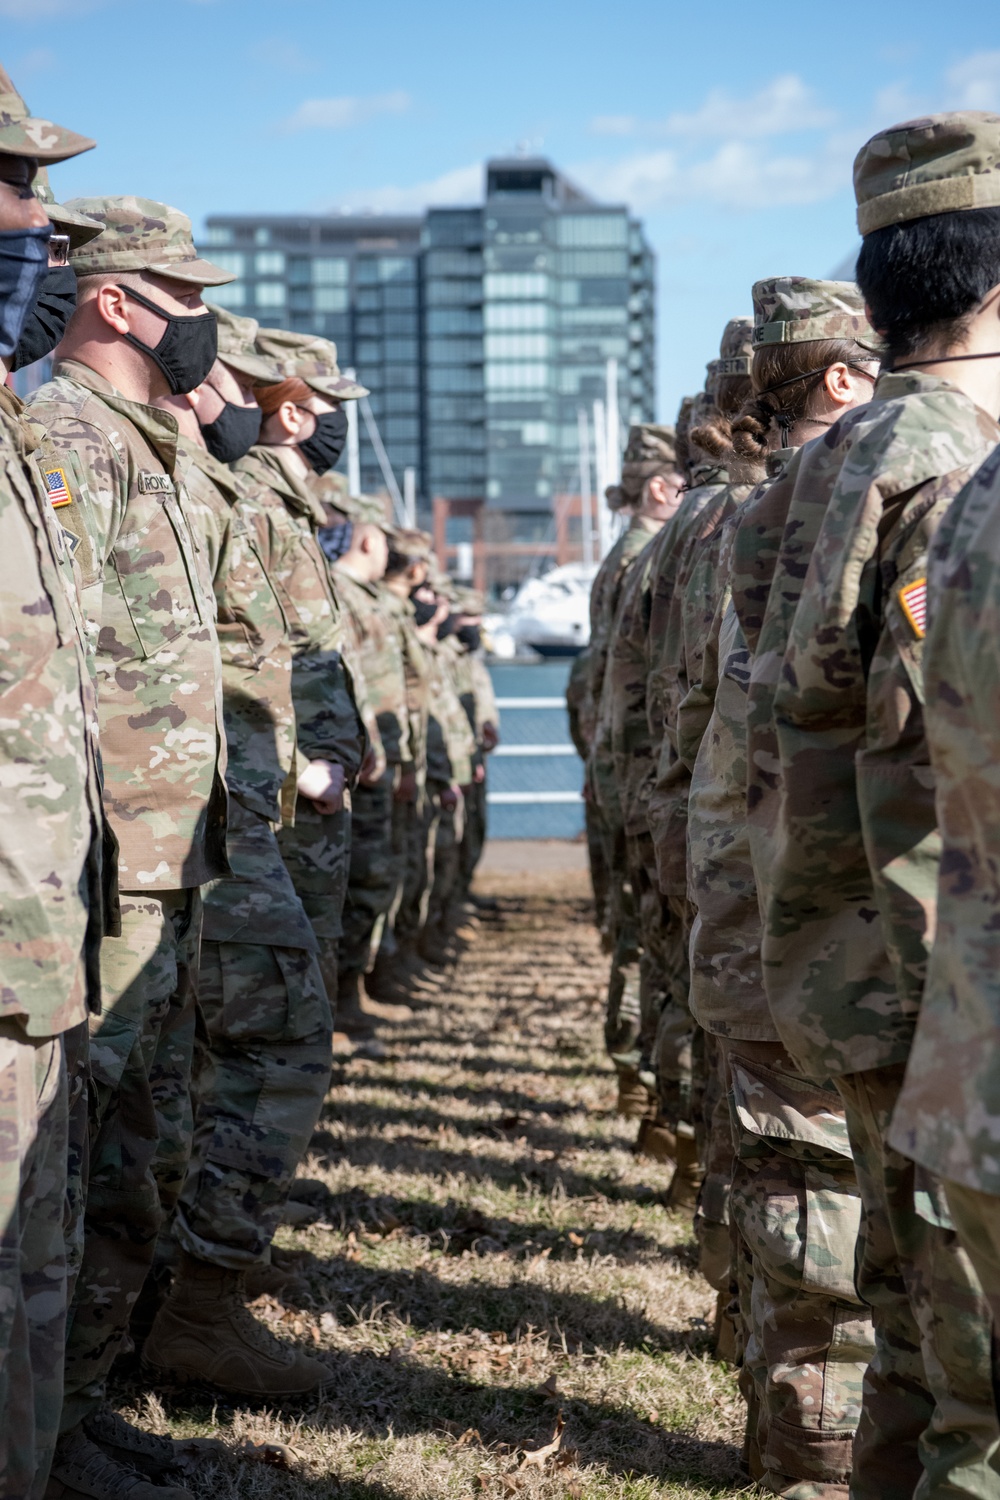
(913, 602)
(155, 484)
(58, 487)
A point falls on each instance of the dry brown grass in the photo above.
(488, 1255)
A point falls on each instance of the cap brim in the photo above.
(200, 272)
(336, 386)
(80, 229)
(258, 369)
(44, 141)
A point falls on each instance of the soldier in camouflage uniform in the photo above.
(479, 701)
(51, 826)
(451, 746)
(407, 569)
(794, 1194)
(262, 1064)
(649, 454)
(377, 844)
(332, 743)
(852, 844)
(155, 649)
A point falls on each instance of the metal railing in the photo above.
(501, 799)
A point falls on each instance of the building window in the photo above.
(218, 234)
(400, 294)
(499, 284)
(401, 349)
(454, 291)
(330, 299)
(516, 315)
(330, 270)
(230, 262)
(455, 320)
(270, 263)
(270, 294)
(516, 377)
(453, 263)
(517, 346)
(593, 230)
(594, 263)
(262, 236)
(396, 268)
(233, 295)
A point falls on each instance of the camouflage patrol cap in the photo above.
(78, 227)
(305, 356)
(412, 543)
(798, 310)
(735, 348)
(22, 134)
(367, 510)
(236, 345)
(936, 165)
(651, 449)
(142, 235)
(331, 488)
(712, 376)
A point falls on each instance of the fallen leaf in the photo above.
(575, 1239)
(538, 1457)
(548, 1388)
(471, 1434)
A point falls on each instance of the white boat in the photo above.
(548, 615)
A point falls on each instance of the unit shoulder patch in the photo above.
(913, 603)
(155, 484)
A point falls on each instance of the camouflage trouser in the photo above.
(418, 871)
(711, 1218)
(600, 875)
(796, 1207)
(929, 1423)
(977, 1222)
(372, 875)
(674, 1060)
(403, 814)
(650, 912)
(622, 1014)
(262, 1061)
(141, 1048)
(260, 1077)
(474, 837)
(316, 850)
(446, 885)
(34, 1117)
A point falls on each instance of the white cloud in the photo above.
(461, 185)
(738, 175)
(614, 124)
(38, 60)
(341, 113)
(975, 82)
(287, 56)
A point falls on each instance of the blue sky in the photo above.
(730, 128)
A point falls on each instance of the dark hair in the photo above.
(784, 379)
(922, 280)
(715, 436)
(398, 562)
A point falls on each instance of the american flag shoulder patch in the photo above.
(913, 602)
(58, 488)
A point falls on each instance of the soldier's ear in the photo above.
(112, 307)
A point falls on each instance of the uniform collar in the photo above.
(158, 427)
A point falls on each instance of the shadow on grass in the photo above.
(380, 1396)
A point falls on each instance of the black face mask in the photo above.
(46, 323)
(24, 258)
(447, 626)
(189, 346)
(470, 636)
(233, 433)
(326, 445)
(423, 611)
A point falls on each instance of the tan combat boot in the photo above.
(205, 1332)
(633, 1101)
(83, 1471)
(656, 1141)
(686, 1181)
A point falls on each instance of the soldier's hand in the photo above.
(449, 798)
(479, 775)
(372, 767)
(322, 783)
(406, 789)
(490, 736)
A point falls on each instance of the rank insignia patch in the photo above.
(55, 481)
(913, 601)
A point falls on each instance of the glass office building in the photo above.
(481, 332)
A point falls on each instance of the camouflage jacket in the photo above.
(604, 594)
(854, 851)
(379, 648)
(253, 633)
(727, 985)
(484, 697)
(580, 705)
(328, 725)
(450, 741)
(50, 794)
(601, 764)
(948, 1115)
(625, 678)
(416, 674)
(685, 594)
(158, 672)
